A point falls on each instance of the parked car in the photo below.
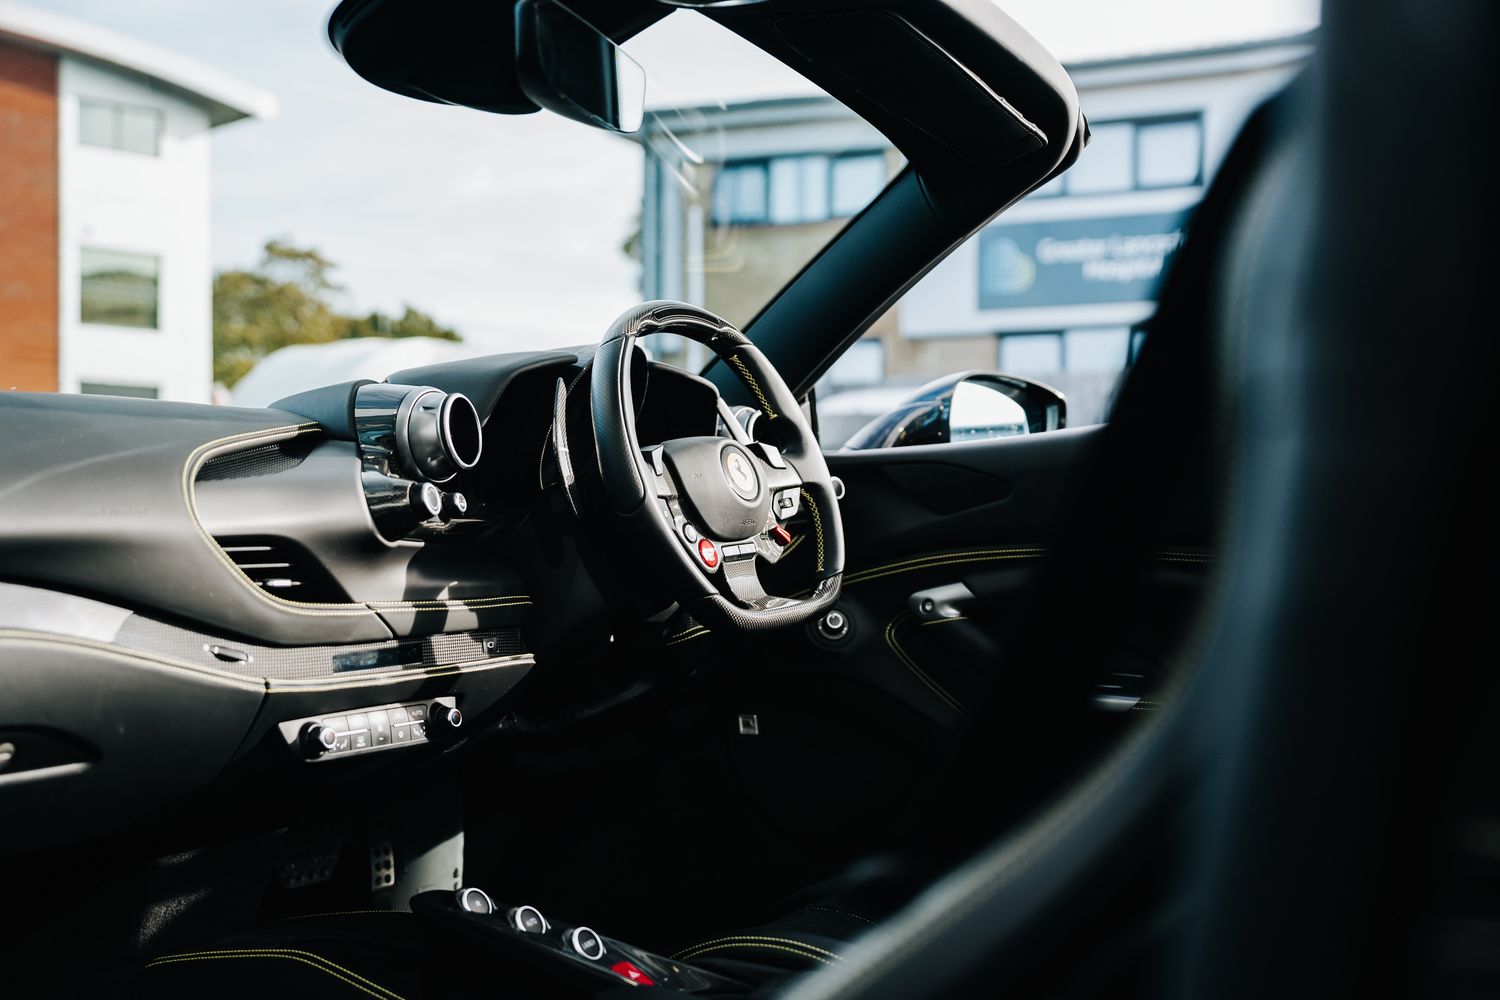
(552, 673)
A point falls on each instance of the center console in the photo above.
(572, 958)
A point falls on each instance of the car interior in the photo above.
(566, 673)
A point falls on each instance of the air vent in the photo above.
(284, 568)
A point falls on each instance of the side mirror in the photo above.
(568, 66)
(969, 406)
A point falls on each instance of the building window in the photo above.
(856, 181)
(119, 289)
(130, 127)
(1031, 353)
(793, 190)
(1082, 351)
(112, 389)
(1105, 164)
(862, 364)
(1133, 156)
(1168, 154)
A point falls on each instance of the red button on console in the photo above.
(632, 972)
(708, 553)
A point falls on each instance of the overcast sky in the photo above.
(510, 228)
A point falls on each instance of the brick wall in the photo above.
(28, 218)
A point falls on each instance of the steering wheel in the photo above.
(708, 510)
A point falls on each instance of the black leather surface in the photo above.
(97, 502)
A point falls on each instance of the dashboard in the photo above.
(354, 576)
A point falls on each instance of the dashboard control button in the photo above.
(338, 724)
(342, 744)
(360, 740)
(380, 729)
(401, 733)
(419, 730)
(454, 505)
(318, 739)
(584, 941)
(359, 720)
(427, 501)
(398, 715)
(529, 920)
(416, 713)
(475, 901)
(444, 718)
(708, 553)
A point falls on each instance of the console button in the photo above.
(419, 730)
(632, 972)
(342, 744)
(401, 734)
(359, 740)
(475, 901)
(380, 729)
(359, 721)
(338, 724)
(529, 920)
(416, 713)
(584, 941)
(398, 715)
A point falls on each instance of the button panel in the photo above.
(369, 730)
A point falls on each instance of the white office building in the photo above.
(105, 208)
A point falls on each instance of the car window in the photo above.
(1059, 288)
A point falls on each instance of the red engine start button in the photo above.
(708, 552)
(632, 972)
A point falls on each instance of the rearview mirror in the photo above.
(568, 66)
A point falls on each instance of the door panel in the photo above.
(946, 547)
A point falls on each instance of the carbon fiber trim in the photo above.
(263, 460)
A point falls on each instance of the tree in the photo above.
(285, 300)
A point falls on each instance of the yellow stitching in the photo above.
(842, 913)
(345, 913)
(765, 404)
(792, 545)
(911, 664)
(817, 525)
(454, 604)
(754, 944)
(936, 562)
(944, 621)
(686, 636)
(290, 954)
(759, 937)
(291, 686)
(140, 657)
(940, 558)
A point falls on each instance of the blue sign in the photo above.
(1071, 262)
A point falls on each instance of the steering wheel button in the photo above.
(708, 552)
(689, 532)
